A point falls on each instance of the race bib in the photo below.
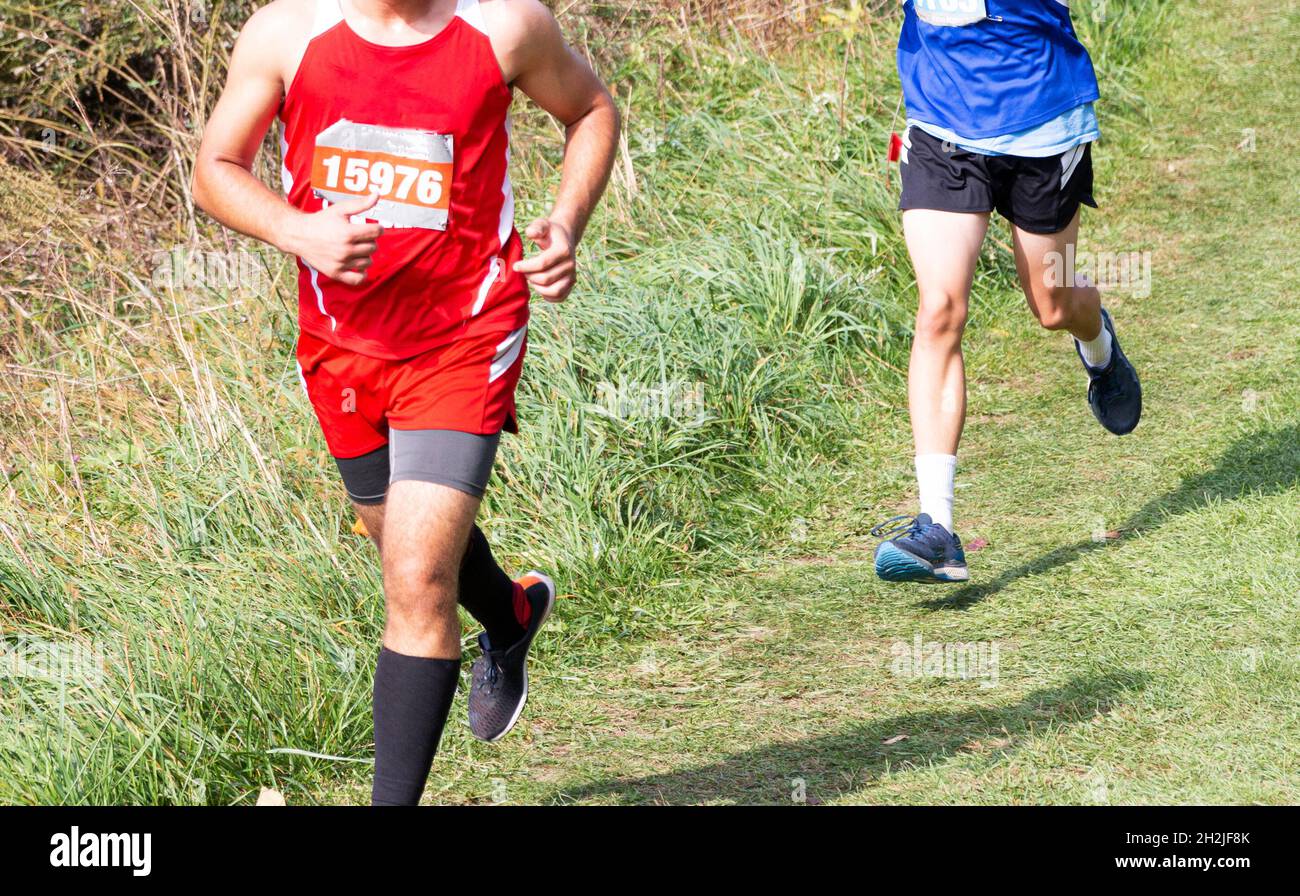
(409, 169)
(951, 12)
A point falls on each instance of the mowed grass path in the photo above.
(1141, 592)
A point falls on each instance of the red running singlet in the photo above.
(426, 127)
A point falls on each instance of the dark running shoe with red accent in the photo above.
(499, 678)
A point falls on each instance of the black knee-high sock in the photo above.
(412, 698)
(488, 593)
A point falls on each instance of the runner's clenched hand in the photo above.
(553, 270)
(330, 242)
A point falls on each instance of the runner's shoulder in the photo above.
(519, 28)
(275, 36)
(269, 25)
(512, 22)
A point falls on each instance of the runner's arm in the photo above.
(224, 185)
(536, 59)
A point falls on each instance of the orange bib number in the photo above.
(410, 170)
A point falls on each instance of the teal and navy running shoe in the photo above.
(920, 550)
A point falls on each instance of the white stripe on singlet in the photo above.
(507, 353)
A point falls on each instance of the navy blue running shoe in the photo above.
(1114, 392)
(920, 550)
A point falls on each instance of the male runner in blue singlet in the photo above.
(999, 97)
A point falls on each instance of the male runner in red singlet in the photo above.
(413, 300)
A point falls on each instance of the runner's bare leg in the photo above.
(945, 248)
(1074, 305)
(425, 528)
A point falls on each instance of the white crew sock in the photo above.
(934, 476)
(1096, 354)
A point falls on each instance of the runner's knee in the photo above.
(417, 586)
(940, 316)
(1054, 306)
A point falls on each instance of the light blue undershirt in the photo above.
(1062, 133)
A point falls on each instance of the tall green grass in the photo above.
(171, 506)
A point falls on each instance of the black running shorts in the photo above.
(1037, 195)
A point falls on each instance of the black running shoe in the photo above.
(499, 678)
(1114, 392)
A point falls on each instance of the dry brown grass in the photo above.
(766, 20)
(102, 111)
(115, 92)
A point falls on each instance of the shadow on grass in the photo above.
(837, 764)
(1258, 463)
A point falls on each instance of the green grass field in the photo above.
(711, 426)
